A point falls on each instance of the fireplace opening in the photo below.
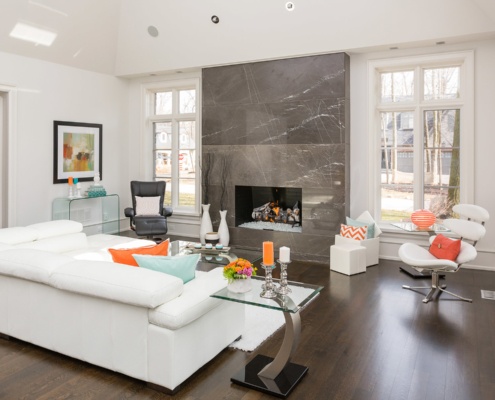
(268, 208)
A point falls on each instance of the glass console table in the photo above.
(276, 376)
(431, 230)
(97, 214)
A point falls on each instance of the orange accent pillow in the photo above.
(353, 232)
(445, 248)
(124, 256)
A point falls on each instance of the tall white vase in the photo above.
(206, 225)
(223, 229)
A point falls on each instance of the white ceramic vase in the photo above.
(223, 229)
(206, 225)
(240, 285)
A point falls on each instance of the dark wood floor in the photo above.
(363, 338)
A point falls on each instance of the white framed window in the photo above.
(422, 134)
(173, 122)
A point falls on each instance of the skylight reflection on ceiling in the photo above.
(30, 33)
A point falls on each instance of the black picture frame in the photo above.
(77, 151)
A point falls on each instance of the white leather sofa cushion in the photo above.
(31, 264)
(4, 246)
(194, 302)
(58, 244)
(18, 234)
(56, 228)
(117, 282)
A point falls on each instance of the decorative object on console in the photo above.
(423, 218)
(223, 229)
(77, 150)
(206, 225)
(70, 182)
(238, 274)
(97, 190)
(78, 187)
(353, 232)
(181, 266)
(125, 256)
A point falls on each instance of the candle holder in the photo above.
(268, 287)
(283, 288)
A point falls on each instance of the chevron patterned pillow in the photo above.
(353, 232)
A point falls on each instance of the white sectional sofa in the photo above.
(60, 290)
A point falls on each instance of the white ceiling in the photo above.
(86, 31)
(111, 36)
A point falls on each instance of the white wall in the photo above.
(484, 191)
(48, 92)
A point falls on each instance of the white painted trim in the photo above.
(463, 58)
(147, 118)
(12, 153)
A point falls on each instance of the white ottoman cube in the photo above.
(348, 259)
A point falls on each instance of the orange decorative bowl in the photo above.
(423, 218)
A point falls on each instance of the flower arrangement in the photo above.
(239, 269)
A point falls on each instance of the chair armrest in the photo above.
(167, 212)
(129, 212)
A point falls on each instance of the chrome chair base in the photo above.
(435, 288)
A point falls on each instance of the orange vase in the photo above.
(423, 218)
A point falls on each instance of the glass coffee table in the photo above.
(276, 376)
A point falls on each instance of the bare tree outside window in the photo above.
(439, 136)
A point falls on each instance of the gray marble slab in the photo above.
(282, 123)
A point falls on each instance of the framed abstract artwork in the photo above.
(77, 151)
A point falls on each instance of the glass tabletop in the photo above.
(213, 256)
(301, 294)
(411, 227)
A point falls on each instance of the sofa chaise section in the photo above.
(138, 322)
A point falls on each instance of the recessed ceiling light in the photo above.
(33, 34)
(440, 42)
(153, 31)
(393, 48)
(290, 6)
(215, 19)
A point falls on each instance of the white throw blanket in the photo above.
(261, 323)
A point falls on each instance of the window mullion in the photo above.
(175, 163)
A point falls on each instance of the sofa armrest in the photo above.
(167, 212)
(129, 212)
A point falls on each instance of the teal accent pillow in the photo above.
(183, 267)
(371, 226)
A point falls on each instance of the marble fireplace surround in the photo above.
(281, 123)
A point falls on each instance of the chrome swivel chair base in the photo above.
(435, 288)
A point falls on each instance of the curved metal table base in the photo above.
(276, 376)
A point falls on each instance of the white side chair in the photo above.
(470, 231)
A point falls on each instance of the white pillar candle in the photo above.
(284, 254)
